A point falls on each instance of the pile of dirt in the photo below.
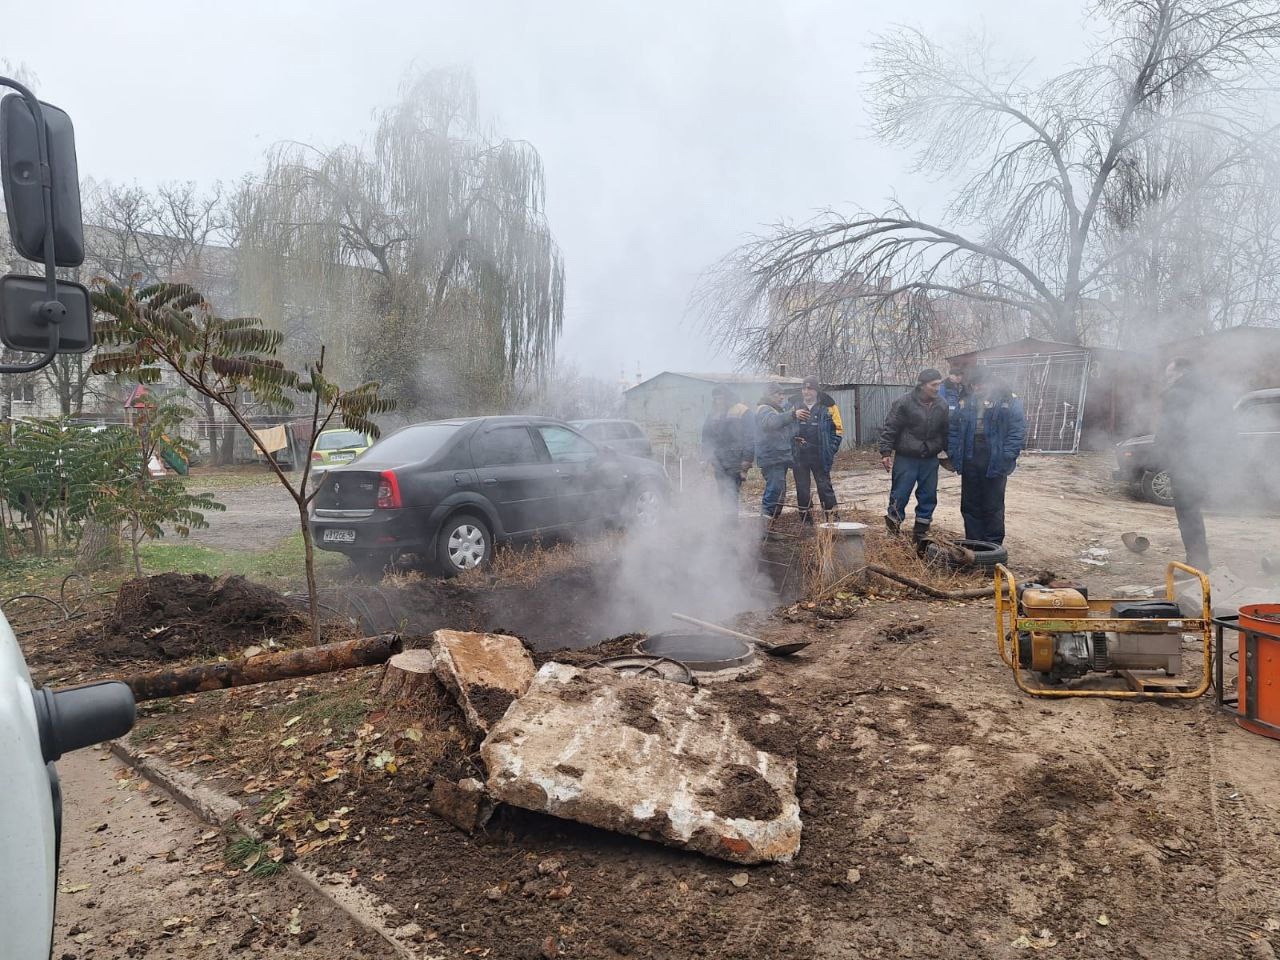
(174, 616)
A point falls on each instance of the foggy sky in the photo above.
(669, 130)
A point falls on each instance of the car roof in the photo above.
(500, 418)
(587, 423)
(1271, 393)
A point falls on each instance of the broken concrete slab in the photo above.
(484, 671)
(464, 804)
(655, 760)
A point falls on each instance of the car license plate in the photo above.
(339, 536)
(342, 458)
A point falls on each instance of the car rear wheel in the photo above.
(464, 543)
(1157, 486)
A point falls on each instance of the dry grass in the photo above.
(897, 553)
(525, 565)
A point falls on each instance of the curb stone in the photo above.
(374, 914)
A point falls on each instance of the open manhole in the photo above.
(704, 652)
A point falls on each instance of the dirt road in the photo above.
(1057, 507)
(258, 516)
(142, 877)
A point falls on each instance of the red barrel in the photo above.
(1265, 669)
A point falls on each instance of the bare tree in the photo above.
(1026, 236)
(565, 392)
(423, 257)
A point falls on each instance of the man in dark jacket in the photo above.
(987, 428)
(726, 445)
(774, 429)
(817, 438)
(914, 433)
(1191, 435)
(953, 389)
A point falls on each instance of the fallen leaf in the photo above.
(295, 922)
(1103, 920)
(291, 721)
(740, 880)
(288, 741)
(321, 826)
(76, 888)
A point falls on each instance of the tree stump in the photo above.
(410, 676)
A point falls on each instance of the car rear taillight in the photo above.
(317, 456)
(388, 491)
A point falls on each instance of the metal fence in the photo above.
(863, 409)
(1052, 388)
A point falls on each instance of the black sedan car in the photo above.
(1255, 445)
(450, 490)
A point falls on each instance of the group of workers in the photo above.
(971, 424)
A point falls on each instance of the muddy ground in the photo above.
(143, 877)
(945, 814)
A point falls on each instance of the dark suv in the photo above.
(449, 490)
(1256, 422)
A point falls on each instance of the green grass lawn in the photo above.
(282, 562)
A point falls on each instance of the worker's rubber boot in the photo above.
(893, 525)
(832, 516)
(919, 534)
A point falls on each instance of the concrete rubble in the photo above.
(642, 757)
(484, 671)
(463, 804)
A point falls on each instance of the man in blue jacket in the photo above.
(775, 426)
(817, 438)
(986, 434)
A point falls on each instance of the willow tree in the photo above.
(422, 257)
(1034, 170)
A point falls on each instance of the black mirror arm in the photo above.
(51, 311)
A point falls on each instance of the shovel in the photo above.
(773, 649)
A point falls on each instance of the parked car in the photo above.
(1256, 422)
(624, 436)
(336, 447)
(450, 490)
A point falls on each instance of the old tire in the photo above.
(464, 543)
(985, 555)
(1157, 487)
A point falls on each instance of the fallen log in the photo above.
(265, 667)
(973, 593)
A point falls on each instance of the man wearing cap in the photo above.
(774, 428)
(914, 433)
(953, 389)
(816, 441)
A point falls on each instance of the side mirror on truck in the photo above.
(41, 185)
(37, 726)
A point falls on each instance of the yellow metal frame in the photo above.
(1009, 623)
